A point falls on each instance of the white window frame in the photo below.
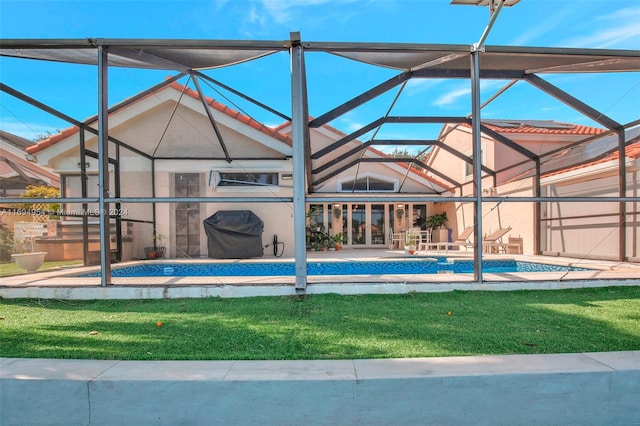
(248, 187)
(342, 181)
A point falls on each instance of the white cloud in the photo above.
(452, 96)
(620, 29)
(291, 13)
(352, 126)
(464, 90)
(417, 86)
(278, 10)
(546, 25)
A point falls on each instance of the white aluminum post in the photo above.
(622, 206)
(299, 182)
(103, 166)
(477, 163)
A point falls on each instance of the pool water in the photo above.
(424, 266)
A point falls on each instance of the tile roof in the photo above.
(631, 151)
(52, 140)
(274, 133)
(541, 127)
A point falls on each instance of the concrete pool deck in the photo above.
(580, 389)
(60, 285)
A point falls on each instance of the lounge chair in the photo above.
(493, 242)
(461, 241)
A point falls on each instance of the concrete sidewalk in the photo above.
(584, 389)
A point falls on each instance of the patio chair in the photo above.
(493, 242)
(461, 240)
(395, 239)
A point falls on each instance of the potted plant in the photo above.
(26, 257)
(338, 240)
(436, 222)
(158, 250)
(410, 241)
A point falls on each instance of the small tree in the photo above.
(41, 191)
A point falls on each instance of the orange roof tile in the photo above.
(541, 127)
(631, 151)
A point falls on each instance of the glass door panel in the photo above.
(377, 224)
(358, 224)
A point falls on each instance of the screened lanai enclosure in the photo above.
(369, 172)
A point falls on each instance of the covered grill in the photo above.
(234, 234)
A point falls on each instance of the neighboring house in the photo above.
(168, 135)
(591, 229)
(16, 171)
(568, 169)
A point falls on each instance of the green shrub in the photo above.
(6, 242)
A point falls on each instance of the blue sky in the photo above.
(332, 80)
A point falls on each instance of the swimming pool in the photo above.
(252, 269)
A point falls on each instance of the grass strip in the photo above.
(10, 268)
(325, 326)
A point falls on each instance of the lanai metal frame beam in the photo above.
(81, 125)
(212, 120)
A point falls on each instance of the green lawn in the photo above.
(326, 326)
(10, 268)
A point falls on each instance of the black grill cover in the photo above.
(234, 234)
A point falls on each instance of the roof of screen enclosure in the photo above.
(184, 55)
(412, 60)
